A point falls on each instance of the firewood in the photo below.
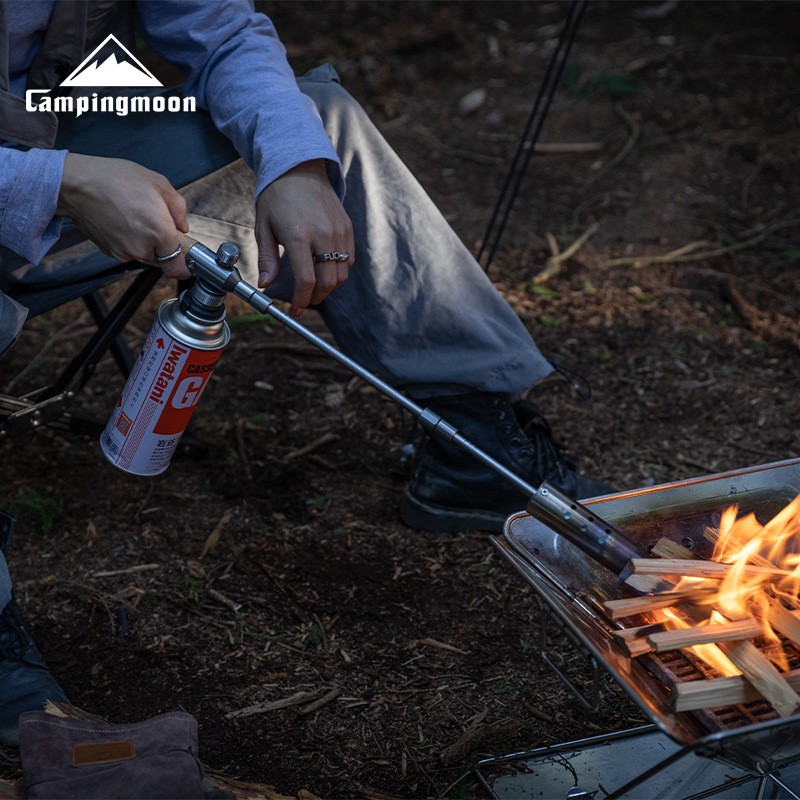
(699, 569)
(634, 640)
(716, 692)
(712, 693)
(633, 648)
(784, 621)
(629, 606)
(759, 671)
(665, 641)
(648, 584)
(656, 584)
(666, 548)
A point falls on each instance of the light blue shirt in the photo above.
(234, 65)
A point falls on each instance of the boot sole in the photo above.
(440, 519)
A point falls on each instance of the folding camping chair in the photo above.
(184, 148)
(48, 404)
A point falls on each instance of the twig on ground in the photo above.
(129, 571)
(296, 699)
(774, 326)
(552, 243)
(225, 600)
(443, 646)
(323, 701)
(474, 738)
(688, 252)
(46, 347)
(319, 442)
(557, 260)
(537, 712)
(213, 538)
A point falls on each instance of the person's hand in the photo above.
(301, 211)
(128, 211)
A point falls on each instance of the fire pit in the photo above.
(747, 738)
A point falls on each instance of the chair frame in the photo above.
(50, 404)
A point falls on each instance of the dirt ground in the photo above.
(272, 571)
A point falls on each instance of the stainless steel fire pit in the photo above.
(749, 739)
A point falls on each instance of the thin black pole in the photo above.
(530, 134)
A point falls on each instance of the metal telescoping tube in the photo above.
(581, 526)
(586, 530)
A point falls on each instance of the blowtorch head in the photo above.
(586, 530)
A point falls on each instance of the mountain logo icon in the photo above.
(111, 64)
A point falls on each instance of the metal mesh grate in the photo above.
(679, 666)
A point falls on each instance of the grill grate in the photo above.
(679, 666)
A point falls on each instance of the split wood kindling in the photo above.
(733, 636)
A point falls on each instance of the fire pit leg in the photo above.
(593, 700)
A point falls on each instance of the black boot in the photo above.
(449, 491)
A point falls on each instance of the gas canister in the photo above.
(168, 378)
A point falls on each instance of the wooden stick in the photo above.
(629, 606)
(666, 548)
(758, 670)
(780, 618)
(716, 692)
(326, 438)
(634, 640)
(698, 569)
(648, 584)
(324, 700)
(664, 641)
(784, 621)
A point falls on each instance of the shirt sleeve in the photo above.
(236, 68)
(29, 185)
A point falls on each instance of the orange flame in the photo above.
(709, 653)
(743, 541)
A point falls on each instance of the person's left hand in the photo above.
(301, 211)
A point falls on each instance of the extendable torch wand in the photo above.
(217, 274)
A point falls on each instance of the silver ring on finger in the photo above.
(161, 259)
(334, 255)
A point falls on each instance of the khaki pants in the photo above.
(417, 309)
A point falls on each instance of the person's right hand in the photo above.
(131, 213)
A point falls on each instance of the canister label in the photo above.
(155, 406)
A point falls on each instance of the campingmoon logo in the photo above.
(110, 65)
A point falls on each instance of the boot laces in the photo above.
(543, 448)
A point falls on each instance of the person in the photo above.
(308, 174)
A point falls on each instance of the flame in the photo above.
(744, 541)
(709, 653)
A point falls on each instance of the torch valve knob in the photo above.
(228, 253)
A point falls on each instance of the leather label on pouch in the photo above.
(84, 755)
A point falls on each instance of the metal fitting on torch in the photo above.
(220, 271)
(586, 530)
